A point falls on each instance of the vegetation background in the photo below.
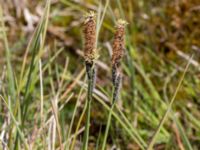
(43, 82)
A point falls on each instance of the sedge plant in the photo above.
(90, 54)
(118, 47)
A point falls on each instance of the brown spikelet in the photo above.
(90, 37)
(118, 49)
(118, 43)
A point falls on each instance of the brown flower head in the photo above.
(118, 49)
(90, 37)
(118, 43)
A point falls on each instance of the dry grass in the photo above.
(42, 78)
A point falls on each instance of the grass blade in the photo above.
(107, 127)
(37, 44)
(20, 133)
(121, 122)
(150, 146)
(11, 81)
(182, 133)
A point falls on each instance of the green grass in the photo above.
(43, 86)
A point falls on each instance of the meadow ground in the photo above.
(43, 82)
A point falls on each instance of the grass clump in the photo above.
(47, 103)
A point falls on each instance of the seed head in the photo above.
(118, 49)
(118, 43)
(90, 37)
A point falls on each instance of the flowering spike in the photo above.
(90, 37)
(118, 43)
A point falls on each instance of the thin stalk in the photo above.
(109, 118)
(73, 118)
(77, 128)
(121, 122)
(87, 126)
(55, 113)
(133, 130)
(20, 133)
(107, 127)
(153, 140)
(10, 74)
(88, 107)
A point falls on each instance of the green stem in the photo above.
(77, 128)
(88, 103)
(107, 127)
(121, 122)
(109, 119)
(153, 140)
(131, 127)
